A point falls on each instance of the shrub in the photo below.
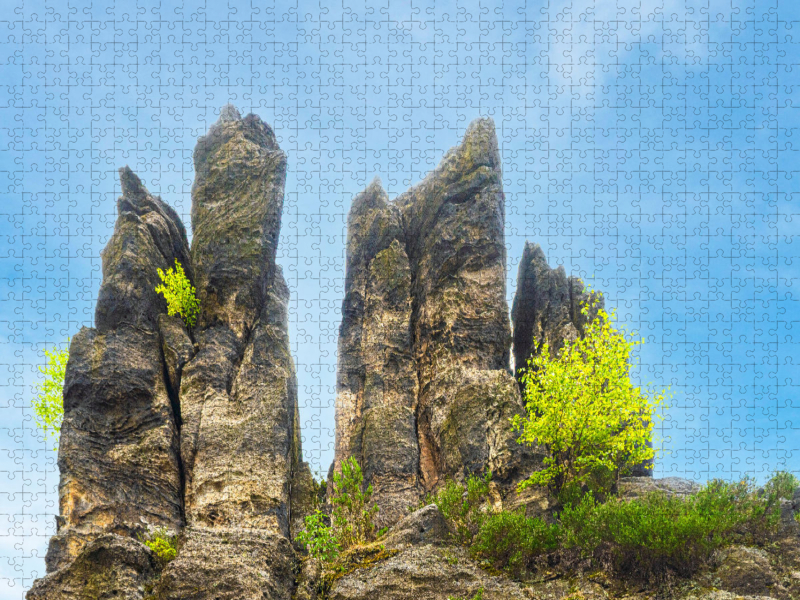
(583, 407)
(462, 505)
(781, 486)
(318, 538)
(510, 541)
(162, 543)
(48, 403)
(656, 533)
(352, 515)
(179, 293)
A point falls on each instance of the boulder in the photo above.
(109, 566)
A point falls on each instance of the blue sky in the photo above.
(647, 146)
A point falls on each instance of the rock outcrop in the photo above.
(377, 377)
(238, 394)
(119, 451)
(196, 432)
(547, 307)
(425, 389)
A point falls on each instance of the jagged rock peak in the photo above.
(130, 183)
(148, 235)
(371, 198)
(547, 306)
(237, 201)
(424, 390)
(228, 113)
(118, 452)
(231, 125)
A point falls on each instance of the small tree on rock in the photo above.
(48, 402)
(583, 407)
(179, 293)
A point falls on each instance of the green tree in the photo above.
(352, 513)
(583, 407)
(179, 293)
(48, 401)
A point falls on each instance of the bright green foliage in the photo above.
(162, 543)
(644, 537)
(48, 403)
(510, 541)
(318, 538)
(463, 504)
(351, 518)
(654, 533)
(582, 405)
(179, 293)
(352, 515)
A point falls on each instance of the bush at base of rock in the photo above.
(645, 537)
(351, 521)
(511, 541)
(462, 505)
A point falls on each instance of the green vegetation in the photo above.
(179, 293)
(510, 541)
(48, 402)
(163, 544)
(645, 537)
(462, 505)
(351, 517)
(583, 407)
(318, 538)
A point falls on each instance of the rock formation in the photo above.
(377, 378)
(424, 385)
(547, 307)
(196, 432)
(119, 452)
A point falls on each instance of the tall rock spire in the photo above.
(239, 439)
(547, 306)
(118, 452)
(425, 338)
(377, 379)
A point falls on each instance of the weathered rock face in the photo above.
(196, 431)
(110, 566)
(239, 439)
(424, 385)
(547, 306)
(377, 379)
(118, 455)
